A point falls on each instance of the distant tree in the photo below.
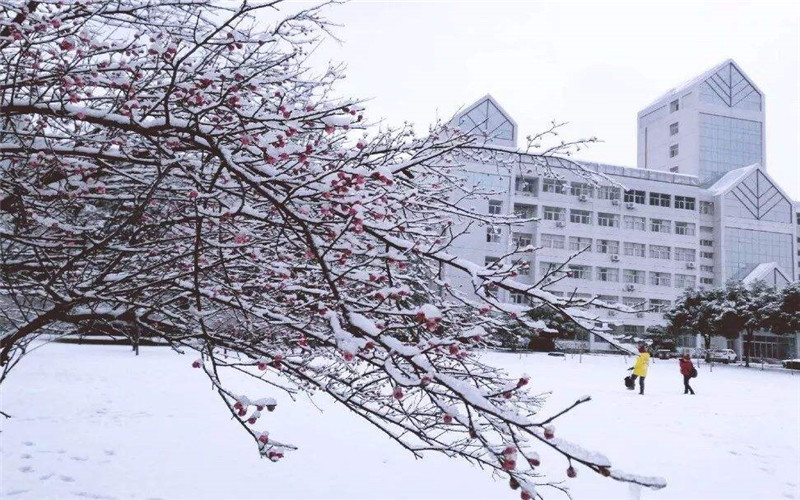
(695, 312)
(783, 314)
(745, 309)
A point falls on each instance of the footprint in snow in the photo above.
(66, 479)
(109, 452)
(15, 492)
(25, 456)
(46, 477)
(80, 459)
(26, 469)
(27, 443)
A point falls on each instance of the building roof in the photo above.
(731, 179)
(768, 272)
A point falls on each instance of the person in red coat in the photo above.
(687, 370)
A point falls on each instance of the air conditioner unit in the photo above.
(615, 201)
(583, 197)
(630, 205)
(690, 265)
(614, 258)
(630, 288)
(640, 315)
(560, 223)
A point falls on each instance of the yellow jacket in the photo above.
(642, 362)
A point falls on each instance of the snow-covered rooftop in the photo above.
(727, 181)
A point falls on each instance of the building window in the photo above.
(608, 193)
(635, 223)
(491, 262)
(660, 279)
(684, 202)
(633, 277)
(673, 151)
(527, 185)
(634, 303)
(707, 281)
(554, 186)
(495, 207)
(547, 268)
(580, 272)
(580, 216)
(685, 228)
(673, 128)
(608, 299)
(660, 305)
(707, 269)
(519, 298)
(552, 241)
(707, 255)
(660, 200)
(577, 244)
(707, 207)
(523, 267)
(674, 106)
(707, 243)
(607, 220)
(522, 240)
(582, 189)
(674, 169)
(634, 197)
(608, 246)
(608, 274)
(634, 249)
(525, 211)
(493, 234)
(685, 254)
(660, 225)
(555, 213)
(659, 252)
(706, 229)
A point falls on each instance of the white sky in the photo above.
(594, 64)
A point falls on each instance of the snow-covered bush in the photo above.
(172, 169)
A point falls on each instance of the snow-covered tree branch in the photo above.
(174, 170)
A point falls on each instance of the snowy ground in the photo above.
(95, 422)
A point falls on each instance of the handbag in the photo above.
(693, 373)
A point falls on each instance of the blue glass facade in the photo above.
(727, 144)
(747, 248)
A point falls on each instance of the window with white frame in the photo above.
(659, 305)
(579, 272)
(706, 243)
(674, 106)
(634, 197)
(546, 268)
(582, 189)
(660, 199)
(660, 225)
(519, 298)
(634, 303)
(707, 281)
(608, 246)
(495, 207)
(523, 267)
(635, 223)
(673, 151)
(553, 241)
(555, 213)
(673, 128)
(685, 228)
(707, 207)
(707, 255)
(525, 211)
(556, 186)
(577, 243)
(707, 269)
(685, 281)
(580, 216)
(608, 274)
(635, 249)
(659, 252)
(633, 276)
(527, 185)
(608, 299)
(660, 279)
(491, 262)
(493, 234)
(608, 193)
(706, 229)
(685, 202)
(685, 254)
(607, 220)
(522, 240)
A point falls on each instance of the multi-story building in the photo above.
(698, 210)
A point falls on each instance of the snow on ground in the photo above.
(96, 422)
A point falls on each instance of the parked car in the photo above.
(723, 355)
(665, 354)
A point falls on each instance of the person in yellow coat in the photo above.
(640, 368)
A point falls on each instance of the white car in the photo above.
(724, 355)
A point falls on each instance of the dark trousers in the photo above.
(641, 383)
(686, 387)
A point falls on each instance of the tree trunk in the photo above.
(748, 339)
